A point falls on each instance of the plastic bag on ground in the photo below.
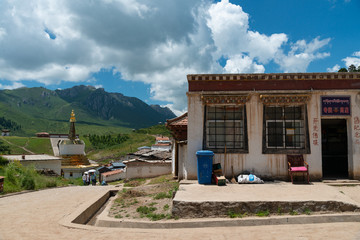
(244, 178)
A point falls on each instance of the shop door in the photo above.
(334, 148)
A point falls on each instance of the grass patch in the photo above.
(134, 182)
(265, 213)
(307, 211)
(162, 195)
(233, 214)
(116, 182)
(293, 212)
(161, 179)
(19, 178)
(166, 207)
(145, 209)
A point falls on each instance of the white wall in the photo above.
(72, 149)
(195, 134)
(54, 165)
(147, 170)
(269, 165)
(114, 177)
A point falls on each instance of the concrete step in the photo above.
(342, 182)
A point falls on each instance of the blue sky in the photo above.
(145, 49)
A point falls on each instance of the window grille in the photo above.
(225, 127)
(285, 127)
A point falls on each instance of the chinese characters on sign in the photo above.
(335, 106)
(315, 133)
(357, 130)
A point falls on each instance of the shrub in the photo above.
(28, 182)
(3, 161)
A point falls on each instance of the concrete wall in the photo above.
(72, 149)
(54, 165)
(76, 173)
(114, 177)
(270, 165)
(135, 170)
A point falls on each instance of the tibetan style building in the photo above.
(253, 121)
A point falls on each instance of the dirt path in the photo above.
(36, 215)
(24, 148)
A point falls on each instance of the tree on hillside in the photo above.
(3, 148)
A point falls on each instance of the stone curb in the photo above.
(91, 207)
(221, 222)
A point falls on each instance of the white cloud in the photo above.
(156, 42)
(335, 68)
(14, 85)
(301, 55)
(353, 60)
(243, 64)
(356, 54)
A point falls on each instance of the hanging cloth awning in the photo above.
(284, 99)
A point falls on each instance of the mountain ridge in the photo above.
(40, 109)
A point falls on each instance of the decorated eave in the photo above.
(178, 127)
(224, 99)
(284, 99)
(273, 81)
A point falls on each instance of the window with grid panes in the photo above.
(225, 127)
(285, 127)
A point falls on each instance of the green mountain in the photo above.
(97, 111)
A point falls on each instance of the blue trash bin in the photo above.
(204, 166)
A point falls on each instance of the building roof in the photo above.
(162, 144)
(178, 127)
(162, 138)
(152, 154)
(112, 172)
(273, 81)
(118, 164)
(39, 157)
(149, 162)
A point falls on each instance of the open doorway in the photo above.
(334, 148)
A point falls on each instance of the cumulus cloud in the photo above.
(335, 68)
(301, 55)
(14, 85)
(243, 64)
(353, 60)
(156, 42)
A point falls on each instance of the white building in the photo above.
(41, 161)
(253, 121)
(162, 144)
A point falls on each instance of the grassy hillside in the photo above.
(27, 111)
(139, 138)
(117, 151)
(41, 110)
(32, 144)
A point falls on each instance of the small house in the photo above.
(253, 121)
(5, 132)
(39, 161)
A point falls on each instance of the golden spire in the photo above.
(72, 118)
